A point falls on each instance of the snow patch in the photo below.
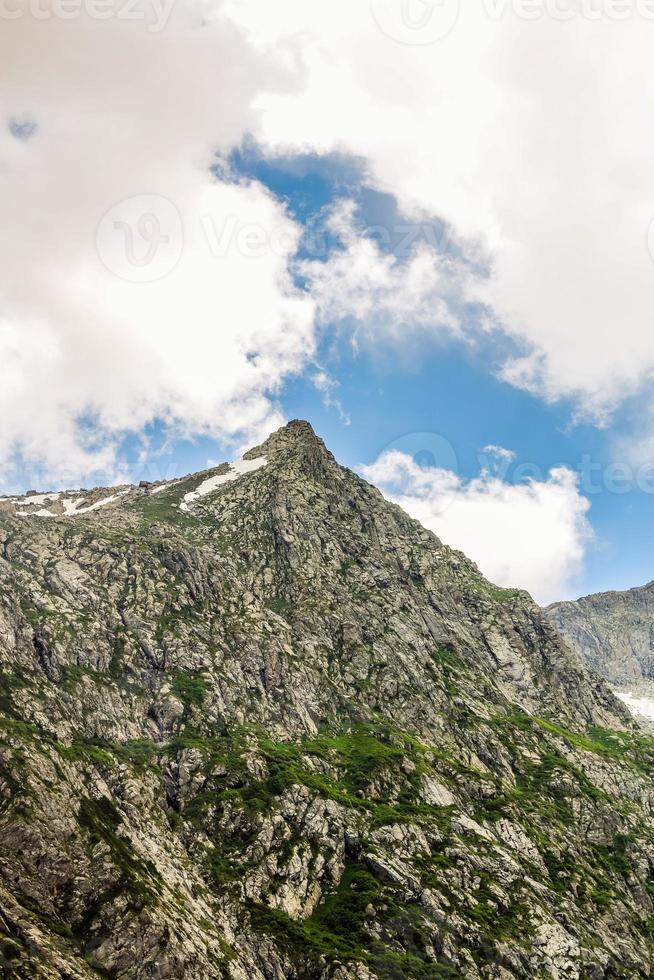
(641, 707)
(163, 486)
(72, 507)
(39, 499)
(35, 513)
(239, 468)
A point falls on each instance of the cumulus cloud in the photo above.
(136, 286)
(547, 172)
(359, 281)
(531, 535)
(526, 130)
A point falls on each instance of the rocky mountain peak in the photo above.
(296, 436)
(293, 450)
(258, 724)
(297, 447)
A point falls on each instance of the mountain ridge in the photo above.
(613, 632)
(287, 733)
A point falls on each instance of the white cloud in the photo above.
(122, 113)
(528, 133)
(531, 535)
(326, 385)
(361, 282)
(499, 452)
(544, 162)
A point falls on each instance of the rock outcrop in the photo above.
(613, 632)
(259, 724)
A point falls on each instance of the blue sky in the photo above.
(416, 235)
(385, 397)
(450, 394)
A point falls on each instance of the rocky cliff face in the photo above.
(259, 724)
(613, 632)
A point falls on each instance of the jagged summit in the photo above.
(259, 724)
(296, 436)
(295, 444)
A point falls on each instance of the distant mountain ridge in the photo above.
(613, 632)
(258, 724)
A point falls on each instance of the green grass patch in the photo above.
(190, 688)
(101, 820)
(338, 930)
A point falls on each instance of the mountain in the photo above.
(613, 632)
(258, 724)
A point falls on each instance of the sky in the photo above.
(427, 227)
